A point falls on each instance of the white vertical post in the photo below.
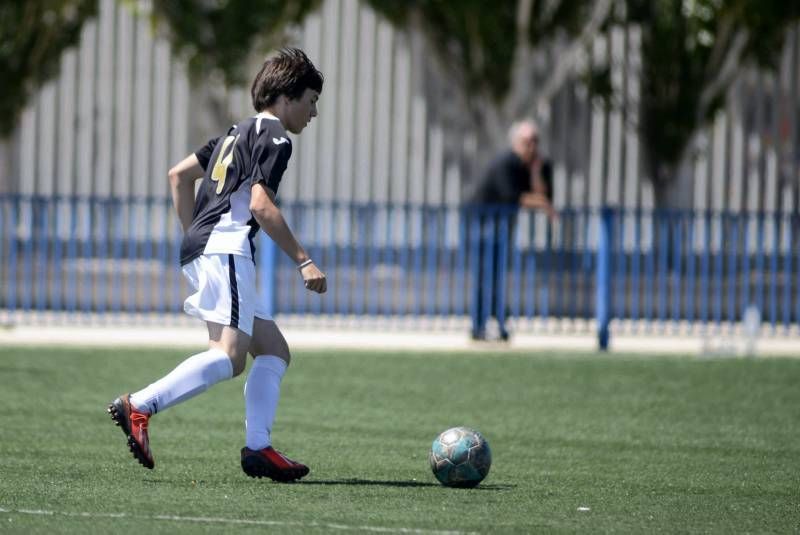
(365, 99)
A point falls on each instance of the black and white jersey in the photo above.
(255, 150)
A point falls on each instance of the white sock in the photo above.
(192, 376)
(261, 393)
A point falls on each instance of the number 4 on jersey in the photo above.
(224, 159)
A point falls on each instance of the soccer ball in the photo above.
(460, 457)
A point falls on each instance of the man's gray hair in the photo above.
(516, 125)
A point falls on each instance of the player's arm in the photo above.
(270, 218)
(181, 182)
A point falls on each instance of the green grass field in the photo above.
(648, 444)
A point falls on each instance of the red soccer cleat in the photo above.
(134, 424)
(272, 464)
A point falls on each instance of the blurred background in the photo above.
(671, 125)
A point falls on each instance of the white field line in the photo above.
(232, 521)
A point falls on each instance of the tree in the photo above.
(32, 37)
(502, 61)
(219, 37)
(506, 60)
(692, 50)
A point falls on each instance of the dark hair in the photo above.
(289, 73)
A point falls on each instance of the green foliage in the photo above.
(219, 36)
(477, 39)
(684, 46)
(33, 34)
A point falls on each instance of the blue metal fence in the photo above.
(658, 268)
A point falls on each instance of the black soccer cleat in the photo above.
(272, 464)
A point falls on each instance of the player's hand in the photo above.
(314, 279)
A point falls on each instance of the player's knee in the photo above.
(238, 363)
(280, 350)
(284, 353)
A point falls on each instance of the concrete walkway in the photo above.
(403, 335)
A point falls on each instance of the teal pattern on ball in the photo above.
(460, 457)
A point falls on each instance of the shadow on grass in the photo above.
(379, 483)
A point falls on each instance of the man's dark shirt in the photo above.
(506, 179)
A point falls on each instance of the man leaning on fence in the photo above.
(516, 177)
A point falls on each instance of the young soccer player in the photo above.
(240, 173)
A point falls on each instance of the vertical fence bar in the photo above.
(620, 265)
(363, 235)
(603, 298)
(574, 267)
(331, 300)
(719, 271)
(42, 265)
(393, 262)
(588, 267)
(403, 285)
(102, 255)
(87, 253)
(733, 250)
(163, 261)
(502, 233)
(27, 253)
(486, 282)
(773, 272)
(760, 264)
(342, 243)
(319, 252)
(560, 273)
(374, 284)
(690, 267)
(416, 242)
(745, 263)
(72, 254)
(473, 224)
(175, 247)
(705, 268)
(57, 253)
(663, 267)
(787, 274)
(530, 285)
(3, 266)
(446, 264)
(462, 282)
(147, 257)
(547, 266)
(116, 253)
(404, 257)
(131, 290)
(11, 296)
(797, 280)
(650, 274)
(431, 288)
(4, 274)
(635, 265)
(677, 268)
(516, 275)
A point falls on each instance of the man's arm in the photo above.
(181, 182)
(538, 198)
(270, 218)
(537, 201)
